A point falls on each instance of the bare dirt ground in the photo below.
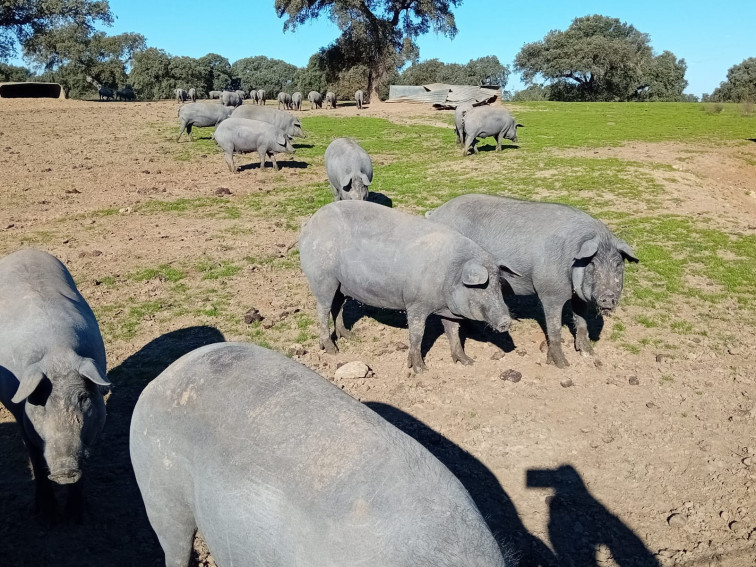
(644, 458)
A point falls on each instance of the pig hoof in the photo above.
(584, 348)
(464, 359)
(345, 334)
(557, 360)
(330, 348)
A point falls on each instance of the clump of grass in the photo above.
(213, 270)
(164, 272)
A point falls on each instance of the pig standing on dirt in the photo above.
(275, 466)
(214, 94)
(349, 169)
(316, 99)
(389, 259)
(484, 121)
(261, 97)
(242, 136)
(284, 99)
(228, 98)
(459, 114)
(192, 94)
(289, 123)
(253, 95)
(296, 101)
(52, 365)
(202, 115)
(330, 99)
(560, 252)
(105, 93)
(181, 95)
(241, 94)
(359, 96)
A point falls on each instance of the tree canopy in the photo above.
(271, 75)
(740, 85)
(377, 34)
(484, 70)
(598, 58)
(25, 20)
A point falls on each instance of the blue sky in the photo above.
(711, 39)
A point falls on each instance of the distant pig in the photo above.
(261, 97)
(284, 100)
(393, 260)
(201, 115)
(52, 366)
(253, 95)
(296, 101)
(242, 95)
(359, 96)
(181, 95)
(228, 98)
(316, 99)
(330, 99)
(561, 253)
(276, 467)
(192, 93)
(485, 121)
(283, 120)
(214, 94)
(241, 136)
(349, 169)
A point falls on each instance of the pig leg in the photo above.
(552, 310)
(189, 131)
(175, 528)
(181, 131)
(468, 142)
(416, 324)
(326, 297)
(499, 138)
(230, 161)
(452, 333)
(44, 497)
(580, 313)
(272, 157)
(337, 311)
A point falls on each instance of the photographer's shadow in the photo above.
(579, 524)
(484, 488)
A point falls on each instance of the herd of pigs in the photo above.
(269, 461)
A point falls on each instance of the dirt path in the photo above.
(643, 454)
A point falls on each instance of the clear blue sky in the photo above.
(710, 37)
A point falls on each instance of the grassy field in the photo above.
(418, 167)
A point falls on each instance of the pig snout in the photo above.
(607, 302)
(67, 475)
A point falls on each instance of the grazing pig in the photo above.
(228, 98)
(289, 123)
(181, 95)
(393, 260)
(359, 96)
(241, 94)
(316, 99)
(349, 169)
(52, 365)
(459, 115)
(202, 115)
(484, 121)
(242, 136)
(284, 99)
(296, 101)
(275, 466)
(126, 93)
(214, 94)
(561, 253)
(261, 97)
(330, 99)
(105, 93)
(192, 93)
(253, 95)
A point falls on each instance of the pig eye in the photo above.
(84, 397)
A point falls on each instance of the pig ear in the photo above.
(626, 251)
(28, 383)
(474, 273)
(89, 370)
(587, 249)
(365, 180)
(507, 270)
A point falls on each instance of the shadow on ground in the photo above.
(115, 531)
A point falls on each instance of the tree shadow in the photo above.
(115, 530)
(489, 496)
(380, 198)
(579, 524)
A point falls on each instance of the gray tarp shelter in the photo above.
(31, 90)
(443, 96)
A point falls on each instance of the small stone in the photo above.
(73, 191)
(400, 346)
(677, 520)
(11, 225)
(252, 316)
(597, 363)
(125, 210)
(633, 381)
(352, 370)
(566, 383)
(66, 241)
(267, 324)
(522, 352)
(223, 191)
(543, 347)
(511, 375)
(747, 461)
(297, 350)
(498, 355)
(734, 526)
(662, 357)
(651, 405)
